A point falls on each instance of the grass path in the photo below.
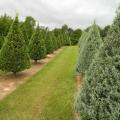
(48, 95)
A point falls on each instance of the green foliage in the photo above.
(99, 98)
(75, 36)
(89, 48)
(49, 43)
(5, 23)
(24, 32)
(37, 48)
(82, 39)
(29, 25)
(14, 56)
(54, 39)
(104, 32)
(1, 41)
(65, 39)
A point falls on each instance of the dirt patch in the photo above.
(75, 117)
(9, 82)
(78, 80)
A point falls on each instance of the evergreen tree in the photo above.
(1, 41)
(5, 23)
(104, 31)
(89, 48)
(54, 41)
(37, 48)
(82, 39)
(49, 43)
(75, 36)
(29, 26)
(14, 56)
(99, 98)
(66, 39)
(24, 32)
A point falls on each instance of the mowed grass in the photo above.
(48, 95)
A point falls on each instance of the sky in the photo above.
(55, 13)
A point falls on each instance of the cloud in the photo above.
(75, 13)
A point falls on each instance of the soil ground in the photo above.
(78, 80)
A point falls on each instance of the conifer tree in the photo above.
(37, 48)
(99, 98)
(54, 41)
(14, 55)
(89, 48)
(49, 43)
(82, 39)
(24, 32)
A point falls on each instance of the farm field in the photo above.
(48, 95)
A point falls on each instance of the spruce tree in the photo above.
(14, 55)
(89, 48)
(99, 98)
(37, 48)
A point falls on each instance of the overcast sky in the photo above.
(54, 13)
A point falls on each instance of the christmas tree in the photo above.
(14, 55)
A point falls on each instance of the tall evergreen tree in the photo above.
(37, 49)
(91, 46)
(99, 98)
(14, 55)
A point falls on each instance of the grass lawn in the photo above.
(48, 95)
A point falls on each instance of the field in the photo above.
(48, 95)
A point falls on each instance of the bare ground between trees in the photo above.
(9, 82)
(78, 80)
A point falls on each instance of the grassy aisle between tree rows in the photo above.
(48, 95)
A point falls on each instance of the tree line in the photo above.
(99, 63)
(23, 41)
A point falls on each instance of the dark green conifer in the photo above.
(49, 43)
(14, 55)
(37, 49)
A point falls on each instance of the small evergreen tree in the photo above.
(54, 41)
(37, 48)
(49, 43)
(14, 55)
(99, 98)
(89, 48)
